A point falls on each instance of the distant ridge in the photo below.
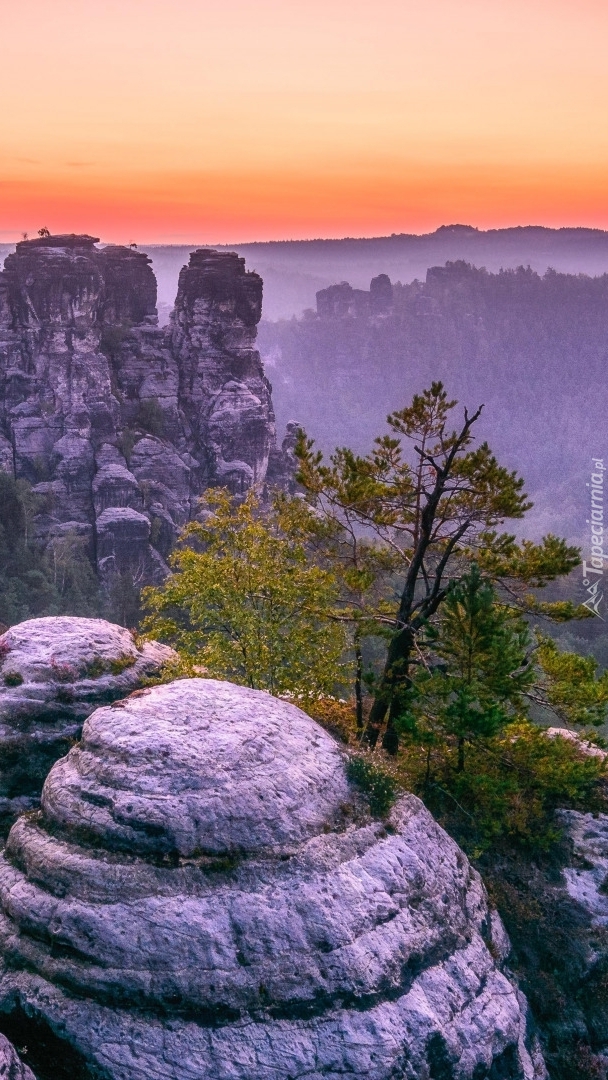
(295, 270)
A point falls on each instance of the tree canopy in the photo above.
(246, 603)
(436, 501)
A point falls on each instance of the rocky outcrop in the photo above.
(53, 673)
(118, 424)
(340, 301)
(586, 881)
(203, 895)
(11, 1066)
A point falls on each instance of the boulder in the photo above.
(203, 895)
(53, 673)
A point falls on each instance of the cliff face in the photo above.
(118, 424)
(203, 895)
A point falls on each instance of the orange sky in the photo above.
(201, 120)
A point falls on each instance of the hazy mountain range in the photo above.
(294, 270)
(533, 349)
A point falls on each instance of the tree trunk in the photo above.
(359, 686)
(386, 705)
(390, 739)
(460, 767)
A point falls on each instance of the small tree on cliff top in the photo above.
(436, 509)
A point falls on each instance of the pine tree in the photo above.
(437, 509)
(480, 667)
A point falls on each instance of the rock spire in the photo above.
(118, 424)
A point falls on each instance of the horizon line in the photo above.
(456, 226)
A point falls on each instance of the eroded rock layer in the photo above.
(203, 896)
(53, 673)
(11, 1067)
(118, 424)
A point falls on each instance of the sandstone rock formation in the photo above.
(11, 1067)
(53, 673)
(586, 881)
(339, 301)
(118, 424)
(203, 896)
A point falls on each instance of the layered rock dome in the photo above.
(118, 424)
(53, 673)
(204, 896)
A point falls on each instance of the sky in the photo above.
(179, 121)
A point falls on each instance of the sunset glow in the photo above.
(194, 121)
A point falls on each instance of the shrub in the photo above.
(121, 663)
(513, 784)
(13, 678)
(126, 441)
(376, 784)
(95, 668)
(63, 672)
(98, 666)
(336, 716)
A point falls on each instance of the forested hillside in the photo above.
(532, 348)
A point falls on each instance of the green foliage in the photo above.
(466, 706)
(95, 668)
(34, 581)
(378, 786)
(98, 666)
(336, 715)
(122, 663)
(569, 686)
(533, 565)
(480, 671)
(13, 678)
(434, 501)
(513, 783)
(126, 441)
(150, 417)
(245, 602)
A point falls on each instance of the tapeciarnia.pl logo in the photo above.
(593, 571)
